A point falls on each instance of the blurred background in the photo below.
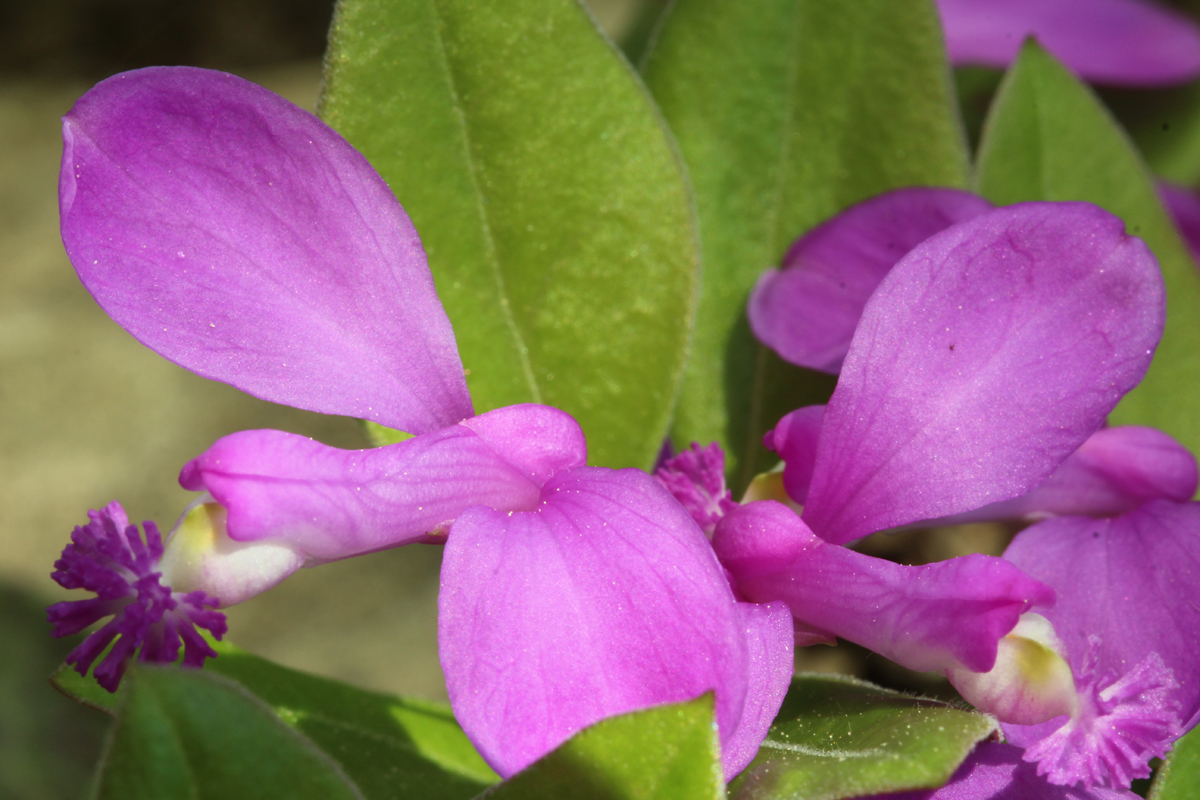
(90, 416)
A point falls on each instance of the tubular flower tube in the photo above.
(1132, 43)
(243, 239)
(933, 617)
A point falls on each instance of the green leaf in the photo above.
(391, 746)
(788, 111)
(381, 434)
(839, 737)
(191, 734)
(1048, 138)
(83, 689)
(669, 752)
(554, 211)
(1179, 776)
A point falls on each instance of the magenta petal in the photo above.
(770, 638)
(1116, 42)
(931, 617)
(987, 356)
(336, 503)
(795, 440)
(1184, 207)
(605, 599)
(808, 310)
(243, 239)
(1132, 581)
(540, 441)
(1112, 473)
(995, 771)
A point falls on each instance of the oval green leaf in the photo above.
(1047, 137)
(83, 689)
(786, 112)
(838, 737)
(391, 747)
(553, 208)
(669, 752)
(189, 734)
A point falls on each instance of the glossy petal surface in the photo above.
(607, 598)
(807, 310)
(1118, 42)
(986, 357)
(335, 503)
(243, 239)
(932, 617)
(1132, 581)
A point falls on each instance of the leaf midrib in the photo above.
(491, 257)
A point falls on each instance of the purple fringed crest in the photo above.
(109, 557)
(1122, 724)
(696, 477)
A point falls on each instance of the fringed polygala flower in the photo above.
(1116, 42)
(1122, 635)
(1110, 677)
(243, 239)
(1056, 317)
